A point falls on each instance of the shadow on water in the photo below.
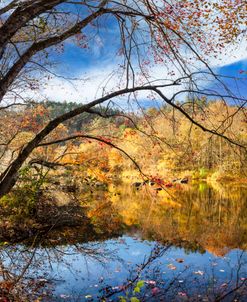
(186, 243)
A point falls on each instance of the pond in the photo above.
(187, 243)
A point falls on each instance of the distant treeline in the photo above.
(162, 141)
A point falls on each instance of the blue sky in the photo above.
(103, 46)
(96, 64)
(239, 71)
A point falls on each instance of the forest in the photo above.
(160, 141)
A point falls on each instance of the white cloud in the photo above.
(105, 77)
(233, 53)
(98, 81)
(93, 84)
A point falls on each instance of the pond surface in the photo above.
(186, 244)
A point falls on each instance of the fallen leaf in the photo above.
(201, 273)
(171, 266)
(64, 296)
(180, 260)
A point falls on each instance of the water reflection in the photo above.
(104, 271)
(201, 256)
(211, 218)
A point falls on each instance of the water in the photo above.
(185, 245)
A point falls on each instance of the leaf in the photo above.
(140, 283)
(180, 260)
(136, 290)
(171, 267)
(64, 296)
(134, 299)
(201, 273)
(4, 243)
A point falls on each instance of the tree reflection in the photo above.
(186, 285)
(29, 273)
(199, 214)
(33, 273)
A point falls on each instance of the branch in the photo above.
(36, 47)
(8, 7)
(151, 136)
(231, 291)
(8, 177)
(93, 138)
(44, 44)
(180, 109)
(44, 163)
(22, 15)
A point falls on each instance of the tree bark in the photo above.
(20, 17)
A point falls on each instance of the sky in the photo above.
(95, 70)
(95, 66)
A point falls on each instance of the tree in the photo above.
(174, 34)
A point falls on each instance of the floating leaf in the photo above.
(171, 266)
(201, 273)
(180, 260)
(64, 296)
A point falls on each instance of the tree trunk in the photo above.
(9, 177)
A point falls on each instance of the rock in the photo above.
(184, 180)
(137, 185)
